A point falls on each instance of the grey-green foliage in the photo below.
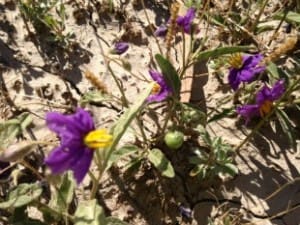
(160, 161)
(214, 159)
(22, 195)
(47, 15)
(89, 213)
(13, 127)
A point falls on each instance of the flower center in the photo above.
(98, 139)
(236, 60)
(155, 89)
(265, 108)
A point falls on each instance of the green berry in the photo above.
(174, 139)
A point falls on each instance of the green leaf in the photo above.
(290, 17)
(159, 160)
(204, 55)
(89, 213)
(62, 197)
(22, 195)
(287, 126)
(170, 74)
(11, 128)
(115, 221)
(230, 169)
(66, 191)
(120, 153)
(125, 120)
(273, 70)
(94, 97)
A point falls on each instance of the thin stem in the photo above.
(151, 28)
(183, 49)
(124, 99)
(54, 211)
(94, 185)
(278, 27)
(120, 64)
(27, 165)
(259, 15)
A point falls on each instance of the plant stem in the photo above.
(259, 15)
(150, 24)
(54, 211)
(124, 99)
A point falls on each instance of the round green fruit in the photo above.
(174, 139)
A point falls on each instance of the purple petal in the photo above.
(233, 78)
(84, 120)
(248, 111)
(263, 95)
(164, 91)
(162, 95)
(81, 167)
(60, 159)
(185, 211)
(270, 94)
(156, 76)
(161, 31)
(277, 90)
(252, 60)
(121, 47)
(76, 124)
(247, 75)
(186, 21)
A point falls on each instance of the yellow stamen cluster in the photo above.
(265, 108)
(98, 139)
(236, 60)
(155, 89)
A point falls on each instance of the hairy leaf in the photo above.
(89, 213)
(159, 160)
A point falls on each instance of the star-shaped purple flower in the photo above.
(160, 90)
(264, 101)
(247, 71)
(72, 154)
(186, 21)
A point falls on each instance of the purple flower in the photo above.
(244, 69)
(264, 101)
(120, 48)
(186, 21)
(185, 212)
(161, 31)
(160, 90)
(78, 138)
